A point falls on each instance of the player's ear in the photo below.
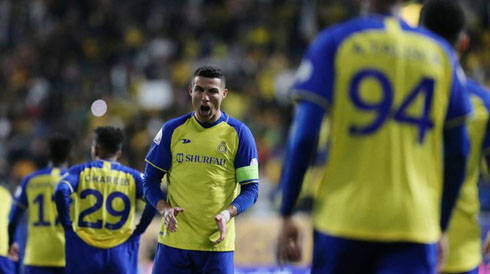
(94, 151)
(464, 42)
(225, 92)
(190, 90)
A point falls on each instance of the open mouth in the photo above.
(206, 110)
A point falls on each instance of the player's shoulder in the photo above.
(239, 126)
(4, 192)
(126, 169)
(36, 173)
(175, 122)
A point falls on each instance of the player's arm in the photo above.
(151, 186)
(456, 145)
(67, 185)
(300, 150)
(148, 212)
(17, 210)
(486, 157)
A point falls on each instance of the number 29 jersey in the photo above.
(390, 90)
(105, 200)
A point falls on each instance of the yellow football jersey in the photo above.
(45, 244)
(389, 90)
(5, 204)
(206, 166)
(104, 201)
(464, 229)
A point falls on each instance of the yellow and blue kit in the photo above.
(101, 236)
(396, 101)
(6, 265)
(464, 230)
(208, 166)
(45, 245)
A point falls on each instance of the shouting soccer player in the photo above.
(209, 159)
(398, 143)
(446, 18)
(45, 246)
(100, 238)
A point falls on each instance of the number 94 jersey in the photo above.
(104, 204)
(390, 90)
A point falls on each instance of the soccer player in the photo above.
(446, 18)
(45, 246)
(100, 237)
(398, 144)
(209, 159)
(6, 265)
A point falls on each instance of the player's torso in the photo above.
(390, 98)
(464, 229)
(5, 204)
(202, 178)
(45, 244)
(104, 204)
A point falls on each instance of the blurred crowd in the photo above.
(59, 56)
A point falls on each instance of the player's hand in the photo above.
(486, 245)
(442, 250)
(14, 252)
(221, 221)
(170, 217)
(289, 243)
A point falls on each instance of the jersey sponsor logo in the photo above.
(222, 147)
(202, 159)
(158, 137)
(185, 141)
(254, 162)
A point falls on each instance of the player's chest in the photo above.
(208, 147)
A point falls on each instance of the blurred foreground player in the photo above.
(6, 265)
(446, 18)
(100, 237)
(398, 145)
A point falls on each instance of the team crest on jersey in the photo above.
(222, 147)
(158, 137)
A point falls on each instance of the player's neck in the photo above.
(57, 165)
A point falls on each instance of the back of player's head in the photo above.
(444, 17)
(209, 72)
(59, 146)
(108, 140)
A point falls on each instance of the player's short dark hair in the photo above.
(59, 146)
(109, 139)
(444, 17)
(209, 72)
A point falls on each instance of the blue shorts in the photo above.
(340, 255)
(83, 258)
(7, 266)
(29, 269)
(179, 261)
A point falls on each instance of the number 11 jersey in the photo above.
(45, 244)
(390, 91)
(104, 205)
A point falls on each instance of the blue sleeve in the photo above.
(62, 200)
(160, 156)
(315, 76)
(146, 218)
(138, 179)
(456, 148)
(247, 197)
(300, 150)
(151, 184)
(459, 103)
(15, 215)
(247, 150)
(72, 178)
(20, 196)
